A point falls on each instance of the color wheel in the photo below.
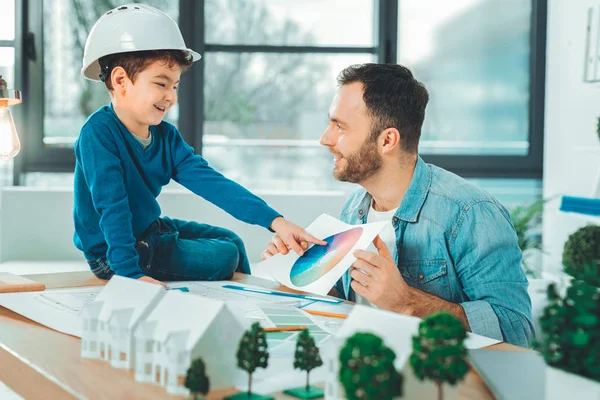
(318, 260)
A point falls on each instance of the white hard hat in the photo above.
(131, 27)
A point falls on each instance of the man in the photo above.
(451, 246)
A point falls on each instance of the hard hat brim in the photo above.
(92, 71)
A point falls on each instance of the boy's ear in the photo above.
(119, 79)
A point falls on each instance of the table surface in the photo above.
(39, 363)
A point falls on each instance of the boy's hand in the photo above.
(152, 280)
(292, 237)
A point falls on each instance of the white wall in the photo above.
(36, 224)
(571, 148)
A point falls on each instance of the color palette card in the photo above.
(321, 266)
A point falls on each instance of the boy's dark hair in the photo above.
(136, 61)
(394, 99)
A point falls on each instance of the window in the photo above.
(257, 102)
(68, 98)
(148, 368)
(149, 346)
(8, 43)
(268, 83)
(92, 345)
(94, 325)
(475, 69)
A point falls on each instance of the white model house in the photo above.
(396, 331)
(111, 319)
(181, 328)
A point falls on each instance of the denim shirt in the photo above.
(456, 241)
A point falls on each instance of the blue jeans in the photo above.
(176, 250)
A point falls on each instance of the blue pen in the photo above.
(183, 289)
(275, 293)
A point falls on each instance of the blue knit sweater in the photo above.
(117, 182)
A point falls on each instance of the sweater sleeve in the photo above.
(193, 172)
(98, 156)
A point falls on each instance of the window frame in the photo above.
(29, 72)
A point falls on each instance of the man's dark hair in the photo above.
(394, 99)
(136, 61)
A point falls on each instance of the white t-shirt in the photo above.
(388, 235)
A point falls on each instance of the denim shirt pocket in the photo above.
(430, 276)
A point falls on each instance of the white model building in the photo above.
(181, 328)
(396, 331)
(111, 319)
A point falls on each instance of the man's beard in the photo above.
(361, 165)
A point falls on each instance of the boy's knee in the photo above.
(234, 237)
(230, 258)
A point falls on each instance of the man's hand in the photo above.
(289, 237)
(377, 279)
(276, 246)
(382, 284)
(152, 280)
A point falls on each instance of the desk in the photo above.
(39, 363)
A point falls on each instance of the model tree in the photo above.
(571, 330)
(306, 358)
(196, 379)
(367, 369)
(252, 354)
(438, 350)
(581, 255)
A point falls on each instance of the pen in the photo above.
(325, 314)
(285, 328)
(276, 293)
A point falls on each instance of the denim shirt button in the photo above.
(421, 276)
(395, 219)
(360, 212)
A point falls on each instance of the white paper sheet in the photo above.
(58, 309)
(321, 266)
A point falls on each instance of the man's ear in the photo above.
(390, 140)
(119, 79)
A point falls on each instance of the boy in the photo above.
(126, 153)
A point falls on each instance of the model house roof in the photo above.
(125, 294)
(183, 312)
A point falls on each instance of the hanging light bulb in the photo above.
(9, 141)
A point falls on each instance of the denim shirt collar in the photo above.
(413, 198)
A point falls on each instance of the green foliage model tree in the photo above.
(196, 380)
(307, 355)
(571, 330)
(438, 350)
(252, 352)
(367, 369)
(581, 255)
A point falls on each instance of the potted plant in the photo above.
(526, 219)
(571, 324)
(196, 380)
(367, 369)
(439, 353)
(252, 354)
(306, 358)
